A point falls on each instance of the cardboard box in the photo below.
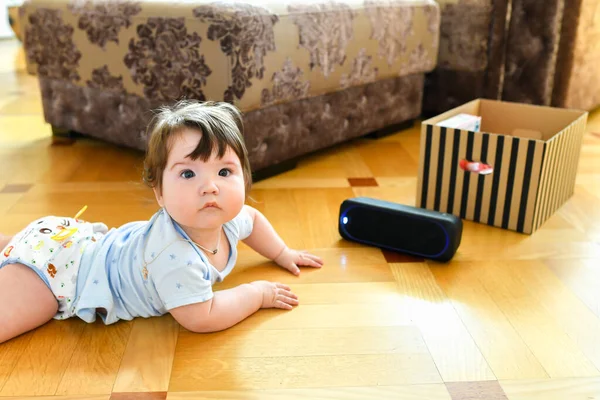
(533, 152)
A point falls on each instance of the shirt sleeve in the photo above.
(183, 285)
(244, 224)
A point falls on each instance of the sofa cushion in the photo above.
(464, 34)
(576, 83)
(251, 55)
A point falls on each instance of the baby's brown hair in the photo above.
(220, 124)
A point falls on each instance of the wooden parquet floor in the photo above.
(511, 317)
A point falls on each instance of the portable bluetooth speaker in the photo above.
(401, 228)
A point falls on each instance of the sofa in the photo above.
(576, 82)
(528, 51)
(306, 75)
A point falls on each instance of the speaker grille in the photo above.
(395, 230)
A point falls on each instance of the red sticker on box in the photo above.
(477, 167)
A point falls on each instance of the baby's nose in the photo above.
(209, 187)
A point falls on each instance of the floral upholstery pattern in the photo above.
(230, 50)
(102, 22)
(167, 61)
(49, 44)
(325, 31)
(102, 79)
(245, 33)
(362, 71)
(288, 84)
(390, 27)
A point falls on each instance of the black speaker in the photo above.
(400, 228)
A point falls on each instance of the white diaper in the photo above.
(53, 247)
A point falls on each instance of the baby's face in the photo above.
(197, 194)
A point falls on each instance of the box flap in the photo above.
(471, 107)
(505, 118)
(515, 119)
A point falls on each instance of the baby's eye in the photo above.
(225, 172)
(187, 174)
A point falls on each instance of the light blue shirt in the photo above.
(112, 274)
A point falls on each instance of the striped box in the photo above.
(534, 153)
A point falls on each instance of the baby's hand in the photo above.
(276, 295)
(291, 259)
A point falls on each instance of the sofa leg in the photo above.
(273, 170)
(388, 130)
(61, 136)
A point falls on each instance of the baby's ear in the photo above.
(158, 195)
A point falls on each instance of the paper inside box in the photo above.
(463, 121)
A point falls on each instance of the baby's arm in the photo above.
(228, 307)
(265, 241)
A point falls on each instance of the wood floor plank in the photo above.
(347, 293)
(130, 160)
(301, 343)
(481, 390)
(341, 265)
(280, 182)
(579, 213)
(553, 389)
(388, 159)
(312, 227)
(571, 314)
(135, 189)
(77, 397)
(353, 164)
(531, 250)
(409, 139)
(589, 182)
(317, 215)
(112, 208)
(402, 192)
(44, 166)
(557, 352)
(65, 202)
(593, 122)
(7, 201)
(505, 351)
(455, 353)
(40, 369)
(325, 160)
(96, 360)
(17, 131)
(582, 277)
(139, 396)
(148, 359)
(302, 372)
(393, 313)
(407, 392)
(406, 183)
(10, 353)
(22, 102)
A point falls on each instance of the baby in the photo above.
(198, 167)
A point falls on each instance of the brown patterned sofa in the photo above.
(307, 75)
(530, 51)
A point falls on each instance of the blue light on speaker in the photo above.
(345, 220)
